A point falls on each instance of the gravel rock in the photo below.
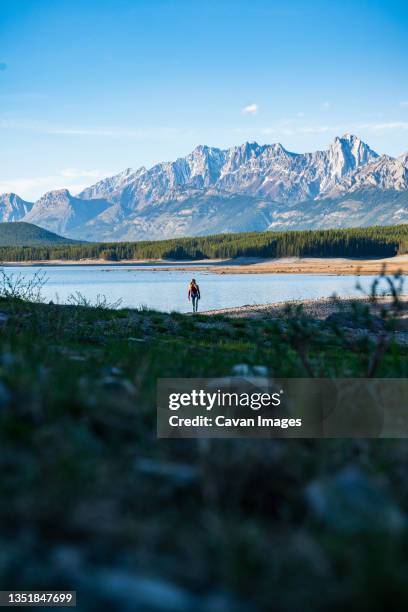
(347, 319)
(351, 502)
(5, 396)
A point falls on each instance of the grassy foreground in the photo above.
(92, 501)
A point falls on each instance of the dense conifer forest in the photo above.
(19, 233)
(378, 241)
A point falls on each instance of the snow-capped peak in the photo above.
(249, 173)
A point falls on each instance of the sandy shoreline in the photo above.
(313, 265)
(288, 265)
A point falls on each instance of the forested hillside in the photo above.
(19, 234)
(362, 242)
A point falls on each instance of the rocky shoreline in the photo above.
(319, 308)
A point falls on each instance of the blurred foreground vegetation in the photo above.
(92, 501)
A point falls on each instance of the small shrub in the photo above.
(101, 301)
(22, 288)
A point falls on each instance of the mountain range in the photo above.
(244, 188)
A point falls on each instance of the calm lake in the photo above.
(138, 286)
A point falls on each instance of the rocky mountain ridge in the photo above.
(246, 187)
(13, 208)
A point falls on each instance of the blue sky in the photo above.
(88, 88)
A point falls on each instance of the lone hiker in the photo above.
(194, 294)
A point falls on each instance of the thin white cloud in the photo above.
(286, 129)
(114, 132)
(289, 129)
(75, 173)
(269, 130)
(380, 127)
(372, 115)
(31, 188)
(325, 105)
(153, 132)
(278, 131)
(300, 114)
(404, 104)
(318, 129)
(250, 109)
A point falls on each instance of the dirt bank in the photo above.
(336, 266)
